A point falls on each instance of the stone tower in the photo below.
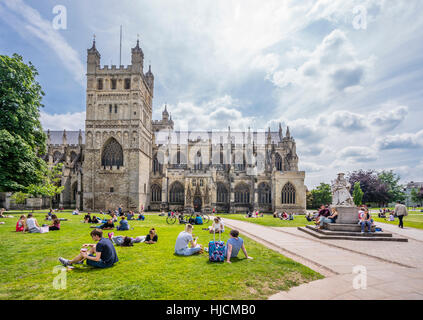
(118, 131)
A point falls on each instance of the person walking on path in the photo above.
(400, 212)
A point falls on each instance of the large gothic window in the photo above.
(242, 194)
(278, 162)
(57, 156)
(176, 194)
(222, 193)
(156, 193)
(198, 162)
(288, 194)
(157, 163)
(112, 154)
(264, 194)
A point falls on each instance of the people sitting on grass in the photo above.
(56, 223)
(32, 224)
(185, 244)
(75, 212)
(234, 244)
(123, 224)
(141, 216)
(87, 218)
(108, 225)
(181, 218)
(100, 255)
(284, 216)
(217, 226)
(21, 224)
(275, 214)
(151, 237)
(330, 219)
(2, 210)
(130, 215)
(366, 221)
(198, 219)
(309, 216)
(391, 217)
(48, 218)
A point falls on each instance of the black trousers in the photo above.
(401, 225)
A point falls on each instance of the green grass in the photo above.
(269, 221)
(143, 271)
(410, 221)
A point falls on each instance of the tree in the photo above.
(374, 190)
(20, 197)
(50, 185)
(309, 200)
(321, 195)
(358, 194)
(391, 180)
(22, 139)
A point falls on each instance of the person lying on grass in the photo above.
(184, 239)
(108, 225)
(234, 244)
(123, 224)
(100, 255)
(125, 241)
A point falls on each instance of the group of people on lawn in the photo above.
(103, 254)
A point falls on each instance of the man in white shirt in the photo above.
(184, 239)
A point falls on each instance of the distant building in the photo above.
(408, 188)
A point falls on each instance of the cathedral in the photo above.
(124, 157)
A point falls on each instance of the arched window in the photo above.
(57, 156)
(156, 193)
(264, 193)
(242, 194)
(278, 162)
(112, 154)
(158, 163)
(288, 194)
(73, 156)
(177, 195)
(222, 193)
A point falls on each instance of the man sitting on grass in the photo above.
(234, 244)
(105, 253)
(108, 225)
(184, 239)
(123, 225)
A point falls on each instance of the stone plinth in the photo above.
(347, 214)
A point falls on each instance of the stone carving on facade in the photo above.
(341, 192)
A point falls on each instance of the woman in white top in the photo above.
(32, 224)
(217, 226)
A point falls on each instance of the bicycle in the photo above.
(171, 219)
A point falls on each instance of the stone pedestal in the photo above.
(347, 215)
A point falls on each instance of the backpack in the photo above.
(216, 249)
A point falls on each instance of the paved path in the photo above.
(394, 270)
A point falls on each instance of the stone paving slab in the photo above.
(386, 277)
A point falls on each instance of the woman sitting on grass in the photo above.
(141, 217)
(56, 223)
(21, 224)
(32, 224)
(87, 218)
(234, 244)
(151, 237)
(123, 224)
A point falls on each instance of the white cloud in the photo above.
(68, 121)
(401, 141)
(29, 23)
(357, 154)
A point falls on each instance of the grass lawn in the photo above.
(413, 220)
(268, 220)
(143, 271)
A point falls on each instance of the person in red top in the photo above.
(20, 225)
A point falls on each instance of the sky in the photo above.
(345, 76)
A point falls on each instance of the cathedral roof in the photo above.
(56, 137)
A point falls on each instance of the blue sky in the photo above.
(346, 76)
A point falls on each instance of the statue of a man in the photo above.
(341, 192)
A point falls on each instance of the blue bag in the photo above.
(216, 250)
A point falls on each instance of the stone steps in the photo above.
(344, 227)
(349, 233)
(355, 236)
